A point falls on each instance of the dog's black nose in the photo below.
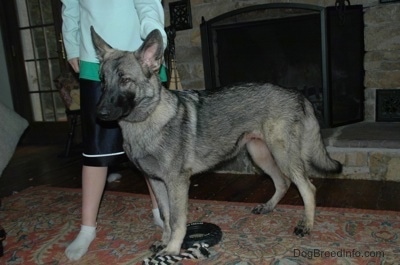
(103, 113)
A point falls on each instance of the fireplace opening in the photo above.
(317, 50)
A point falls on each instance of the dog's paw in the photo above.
(157, 247)
(164, 252)
(169, 250)
(262, 209)
(301, 229)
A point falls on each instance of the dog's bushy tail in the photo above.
(322, 163)
(318, 157)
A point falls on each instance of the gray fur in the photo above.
(171, 135)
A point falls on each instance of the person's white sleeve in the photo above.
(70, 27)
(151, 16)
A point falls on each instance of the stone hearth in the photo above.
(368, 150)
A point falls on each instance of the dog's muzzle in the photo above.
(106, 114)
(103, 114)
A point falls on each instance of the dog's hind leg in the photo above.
(307, 191)
(282, 165)
(291, 164)
(261, 155)
(294, 167)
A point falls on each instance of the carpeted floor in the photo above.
(40, 222)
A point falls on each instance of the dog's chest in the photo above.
(136, 147)
(147, 160)
(139, 141)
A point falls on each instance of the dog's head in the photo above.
(130, 81)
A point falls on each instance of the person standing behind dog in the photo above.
(123, 24)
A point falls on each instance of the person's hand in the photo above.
(74, 62)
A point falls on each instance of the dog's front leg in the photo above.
(178, 194)
(161, 194)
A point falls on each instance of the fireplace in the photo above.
(317, 50)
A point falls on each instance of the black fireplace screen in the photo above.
(291, 45)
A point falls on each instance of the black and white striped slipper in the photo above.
(199, 237)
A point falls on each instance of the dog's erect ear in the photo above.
(151, 51)
(101, 47)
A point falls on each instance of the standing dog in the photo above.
(170, 135)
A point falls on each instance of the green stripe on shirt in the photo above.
(89, 71)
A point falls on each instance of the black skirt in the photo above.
(102, 141)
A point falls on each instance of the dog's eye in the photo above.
(125, 80)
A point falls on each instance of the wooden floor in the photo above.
(34, 165)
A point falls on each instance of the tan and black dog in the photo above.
(171, 135)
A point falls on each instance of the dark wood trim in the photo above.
(64, 66)
(15, 60)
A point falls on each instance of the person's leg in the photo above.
(93, 182)
(98, 139)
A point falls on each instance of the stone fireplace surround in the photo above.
(369, 149)
(316, 50)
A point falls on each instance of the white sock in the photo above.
(157, 218)
(113, 177)
(80, 245)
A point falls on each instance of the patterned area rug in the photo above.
(40, 222)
